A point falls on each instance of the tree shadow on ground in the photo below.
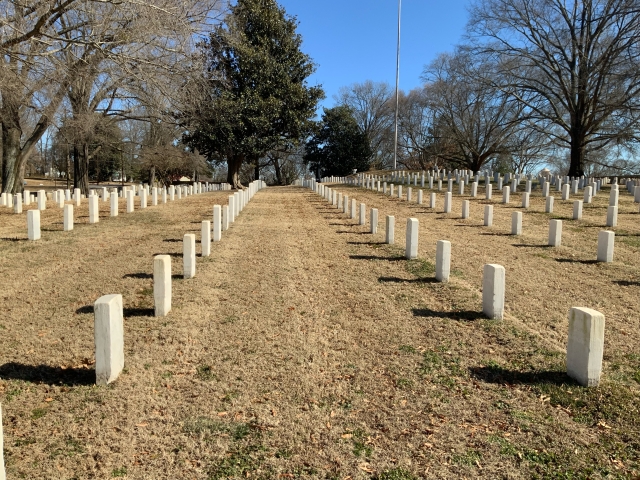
(571, 260)
(354, 233)
(138, 275)
(170, 254)
(365, 243)
(340, 224)
(12, 239)
(406, 280)
(459, 315)
(626, 283)
(173, 240)
(47, 374)
(513, 377)
(373, 257)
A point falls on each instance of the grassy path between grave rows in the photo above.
(306, 348)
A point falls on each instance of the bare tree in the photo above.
(475, 118)
(373, 104)
(90, 51)
(574, 64)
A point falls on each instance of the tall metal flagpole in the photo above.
(395, 143)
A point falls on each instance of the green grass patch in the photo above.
(241, 462)
(407, 349)
(205, 372)
(420, 268)
(469, 458)
(119, 472)
(38, 413)
(396, 474)
(404, 383)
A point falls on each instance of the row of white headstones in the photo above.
(59, 198)
(108, 309)
(586, 326)
(403, 177)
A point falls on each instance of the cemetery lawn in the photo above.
(307, 348)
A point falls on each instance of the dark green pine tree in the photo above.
(257, 96)
(338, 146)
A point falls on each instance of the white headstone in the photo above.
(606, 240)
(205, 239)
(488, 215)
(443, 260)
(373, 222)
(493, 291)
(162, 284)
(465, 209)
(68, 217)
(114, 204)
(94, 209)
(17, 203)
(33, 224)
(109, 338)
(363, 214)
(555, 233)
(217, 223)
(577, 209)
(411, 250)
(130, 200)
(516, 223)
(42, 200)
(225, 218)
(189, 255)
(612, 216)
(448, 200)
(548, 207)
(390, 229)
(585, 346)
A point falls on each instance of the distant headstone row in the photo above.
(586, 326)
(108, 309)
(129, 193)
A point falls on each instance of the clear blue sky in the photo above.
(355, 40)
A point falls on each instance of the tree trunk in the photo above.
(576, 166)
(276, 166)
(256, 171)
(81, 169)
(234, 162)
(152, 175)
(11, 136)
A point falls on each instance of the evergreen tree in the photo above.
(256, 94)
(339, 145)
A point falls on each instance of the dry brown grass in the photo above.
(304, 347)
